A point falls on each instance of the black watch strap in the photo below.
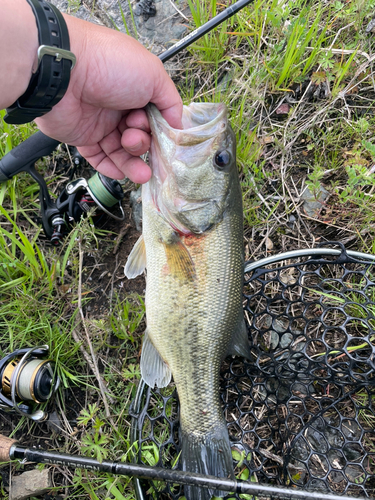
(55, 62)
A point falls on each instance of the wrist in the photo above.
(18, 49)
(77, 35)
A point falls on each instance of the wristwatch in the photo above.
(55, 62)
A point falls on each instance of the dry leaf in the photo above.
(269, 244)
(267, 139)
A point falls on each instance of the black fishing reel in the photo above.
(27, 379)
(76, 199)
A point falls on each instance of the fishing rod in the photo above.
(79, 196)
(203, 30)
(10, 450)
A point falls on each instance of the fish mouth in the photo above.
(175, 154)
(200, 121)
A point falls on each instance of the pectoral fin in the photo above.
(136, 263)
(179, 260)
(154, 370)
(239, 345)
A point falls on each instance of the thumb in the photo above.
(166, 97)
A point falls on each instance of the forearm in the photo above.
(18, 49)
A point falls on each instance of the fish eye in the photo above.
(222, 159)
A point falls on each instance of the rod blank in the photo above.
(168, 475)
(205, 28)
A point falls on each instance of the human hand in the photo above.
(101, 113)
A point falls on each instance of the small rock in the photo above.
(314, 203)
(54, 422)
(29, 484)
(291, 222)
(283, 109)
(266, 139)
(280, 325)
(136, 204)
(269, 340)
(371, 26)
(286, 340)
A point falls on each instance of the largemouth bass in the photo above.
(192, 247)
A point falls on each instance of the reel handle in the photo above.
(5, 446)
(23, 156)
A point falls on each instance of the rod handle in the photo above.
(25, 154)
(5, 446)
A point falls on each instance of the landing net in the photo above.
(300, 414)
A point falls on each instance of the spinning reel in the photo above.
(26, 379)
(76, 199)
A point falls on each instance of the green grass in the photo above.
(310, 57)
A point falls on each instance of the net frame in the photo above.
(311, 318)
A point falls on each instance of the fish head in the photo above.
(192, 168)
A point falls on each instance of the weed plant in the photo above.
(298, 79)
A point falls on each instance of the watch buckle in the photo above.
(47, 50)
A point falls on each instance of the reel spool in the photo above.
(103, 192)
(27, 379)
(301, 414)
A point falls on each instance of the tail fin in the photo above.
(208, 454)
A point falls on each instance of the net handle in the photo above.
(305, 252)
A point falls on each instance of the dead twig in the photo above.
(122, 233)
(93, 364)
(178, 10)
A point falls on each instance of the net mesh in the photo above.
(301, 413)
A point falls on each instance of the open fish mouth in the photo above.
(199, 119)
(200, 122)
